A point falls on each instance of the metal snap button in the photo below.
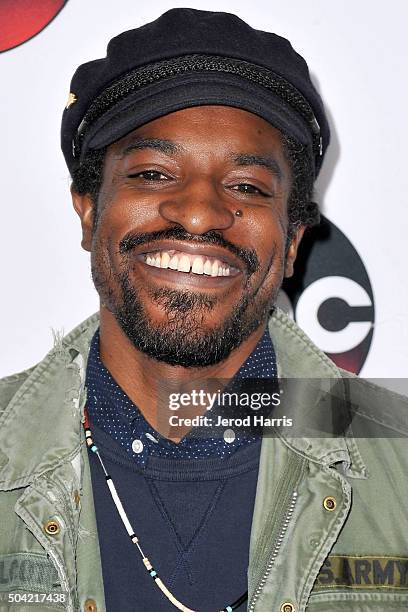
(90, 606)
(137, 446)
(287, 607)
(52, 527)
(329, 503)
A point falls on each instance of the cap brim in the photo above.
(189, 90)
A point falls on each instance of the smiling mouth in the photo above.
(179, 261)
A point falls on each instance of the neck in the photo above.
(148, 382)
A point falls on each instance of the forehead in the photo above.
(214, 127)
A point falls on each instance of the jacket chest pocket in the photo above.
(27, 580)
(361, 584)
(361, 601)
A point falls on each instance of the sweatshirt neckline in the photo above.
(245, 459)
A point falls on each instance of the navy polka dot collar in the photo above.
(114, 412)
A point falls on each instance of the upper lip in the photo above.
(191, 249)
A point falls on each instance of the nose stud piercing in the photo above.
(238, 213)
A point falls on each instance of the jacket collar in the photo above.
(314, 382)
(48, 407)
(40, 428)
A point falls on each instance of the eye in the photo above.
(150, 175)
(248, 189)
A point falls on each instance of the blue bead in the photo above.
(94, 448)
(228, 609)
(153, 573)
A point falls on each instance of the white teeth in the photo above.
(173, 263)
(198, 266)
(181, 263)
(207, 267)
(184, 264)
(165, 258)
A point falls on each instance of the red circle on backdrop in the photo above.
(22, 19)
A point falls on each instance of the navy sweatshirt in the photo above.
(192, 516)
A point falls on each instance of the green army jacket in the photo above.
(329, 531)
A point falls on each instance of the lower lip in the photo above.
(187, 278)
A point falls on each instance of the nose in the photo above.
(198, 208)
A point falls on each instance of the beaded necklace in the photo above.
(131, 533)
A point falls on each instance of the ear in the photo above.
(292, 250)
(85, 209)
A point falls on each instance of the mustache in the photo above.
(248, 256)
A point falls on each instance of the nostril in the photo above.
(197, 216)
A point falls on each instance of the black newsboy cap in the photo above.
(189, 58)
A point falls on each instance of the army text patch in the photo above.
(363, 572)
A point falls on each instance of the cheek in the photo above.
(268, 233)
(123, 212)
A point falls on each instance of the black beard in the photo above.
(181, 341)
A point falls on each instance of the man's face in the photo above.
(186, 279)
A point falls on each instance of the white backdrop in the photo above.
(356, 51)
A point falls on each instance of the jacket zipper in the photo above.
(275, 551)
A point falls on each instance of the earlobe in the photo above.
(292, 250)
(84, 207)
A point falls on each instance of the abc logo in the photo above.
(330, 296)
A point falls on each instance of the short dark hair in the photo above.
(87, 178)
(301, 208)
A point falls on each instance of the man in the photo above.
(193, 147)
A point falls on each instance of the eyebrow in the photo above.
(269, 162)
(157, 144)
(168, 147)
